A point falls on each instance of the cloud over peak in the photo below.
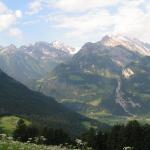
(79, 20)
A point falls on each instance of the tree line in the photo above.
(133, 135)
(45, 135)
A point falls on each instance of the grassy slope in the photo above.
(13, 145)
(8, 123)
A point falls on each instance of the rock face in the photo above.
(130, 43)
(137, 87)
(95, 80)
(29, 63)
(127, 73)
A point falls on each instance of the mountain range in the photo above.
(97, 79)
(30, 63)
(106, 78)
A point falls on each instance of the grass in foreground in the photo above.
(7, 143)
(15, 145)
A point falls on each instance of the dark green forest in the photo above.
(17, 99)
(133, 135)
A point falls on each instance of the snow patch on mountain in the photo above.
(132, 44)
(127, 73)
(63, 47)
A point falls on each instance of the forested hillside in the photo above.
(16, 99)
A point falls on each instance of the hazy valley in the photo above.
(102, 80)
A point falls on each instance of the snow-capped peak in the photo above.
(57, 44)
(130, 43)
(9, 49)
(63, 47)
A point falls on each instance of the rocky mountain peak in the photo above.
(11, 49)
(11, 46)
(63, 47)
(132, 44)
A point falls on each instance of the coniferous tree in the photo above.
(55, 136)
(101, 141)
(133, 135)
(115, 139)
(32, 131)
(90, 137)
(20, 132)
(146, 137)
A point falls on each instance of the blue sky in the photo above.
(72, 21)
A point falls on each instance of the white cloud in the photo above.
(82, 26)
(83, 20)
(3, 8)
(7, 20)
(35, 7)
(129, 18)
(18, 13)
(133, 21)
(15, 32)
(82, 5)
(132, 3)
(8, 17)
